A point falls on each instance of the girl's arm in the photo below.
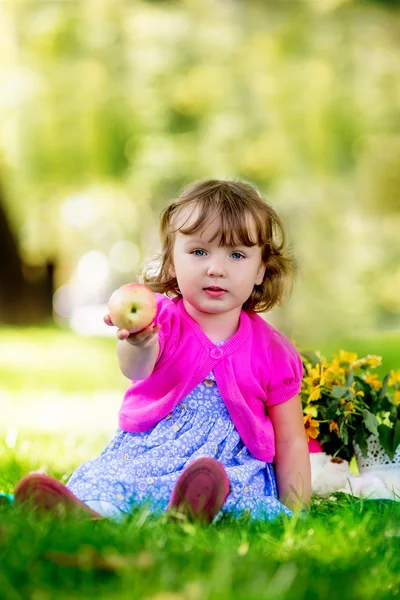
(292, 459)
(137, 352)
(136, 358)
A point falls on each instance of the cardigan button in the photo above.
(216, 353)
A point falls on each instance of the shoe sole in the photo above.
(43, 493)
(201, 490)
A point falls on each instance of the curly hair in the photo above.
(232, 202)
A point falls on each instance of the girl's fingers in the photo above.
(142, 338)
(123, 334)
(152, 329)
(139, 338)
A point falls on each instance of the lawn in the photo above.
(341, 549)
(344, 552)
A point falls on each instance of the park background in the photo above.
(109, 107)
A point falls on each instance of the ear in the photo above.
(260, 274)
(171, 270)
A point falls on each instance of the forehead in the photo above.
(189, 222)
(187, 219)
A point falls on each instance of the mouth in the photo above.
(215, 291)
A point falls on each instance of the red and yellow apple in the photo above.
(133, 306)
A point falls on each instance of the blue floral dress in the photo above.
(143, 467)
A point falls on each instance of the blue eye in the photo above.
(238, 255)
(195, 252)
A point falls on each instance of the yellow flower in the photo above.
(334, 373)
(371, 360)
(374, 381)
(349, 407)
(314, 381)
(396, 399)
(374, 361)
(394, 377)
(311, 427)
(353, 390)
(333, 426)
(315, 375)
(347, 357)
(315, 394)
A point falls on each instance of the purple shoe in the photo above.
(201, 490)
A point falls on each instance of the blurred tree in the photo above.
(11, 278)
(110, 106)
(26, 292)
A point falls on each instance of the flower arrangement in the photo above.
(344, 402)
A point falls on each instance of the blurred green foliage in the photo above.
(114, 105)
(40, 359)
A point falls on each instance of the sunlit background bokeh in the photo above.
(108, 107)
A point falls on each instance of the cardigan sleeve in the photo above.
(286, 370)
(168, 335)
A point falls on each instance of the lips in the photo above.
(215, 292)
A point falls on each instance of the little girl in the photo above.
(212, 419)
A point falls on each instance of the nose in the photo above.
(216, 268)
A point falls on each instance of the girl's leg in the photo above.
(44, 494)
(201, 490)
(199, 493)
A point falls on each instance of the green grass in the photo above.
(350, 551)
(341, 549)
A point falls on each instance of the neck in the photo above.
(217, 327)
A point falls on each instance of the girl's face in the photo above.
(213, 279)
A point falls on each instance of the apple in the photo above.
(133, 306)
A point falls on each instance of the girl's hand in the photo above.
(141, 339)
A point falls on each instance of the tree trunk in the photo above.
(25, 293)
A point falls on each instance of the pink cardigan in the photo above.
(255, 368)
